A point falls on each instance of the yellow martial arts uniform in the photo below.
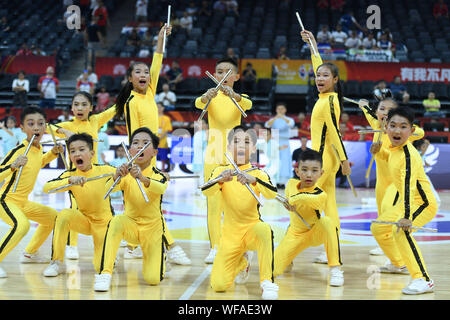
(223, 116)
(382, 171)
(141, 111)
(92, 215)
(243, 228)
(16, 210)
(141, 223)
(324, 133)
(413, 200)
(90, 126)
(309, 203)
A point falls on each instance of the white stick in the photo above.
(209, 101)
(412, 227)
(284, 201)
(215, 180)
(21, 168)
(137, 179)
(87, 180)
(168, 24)
(303, 29)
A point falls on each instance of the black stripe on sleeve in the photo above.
(128, 118)
(424, 199)
(11, 153)
(407, 182)
(267, 185)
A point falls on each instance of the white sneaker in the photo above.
(54, 268)
(132, 254)
(269, 290)
(3, 273)
(123, 243)
(242, 276)
(72, 253)
(32, 258)
(178, 256)
(102, 282)
(376, 252)
(419, 286)
(212, 254)
(336, 277)
(390, 268)
(322, 258)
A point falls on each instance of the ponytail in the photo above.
(340, 95)
(125, 91)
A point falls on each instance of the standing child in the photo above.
(243, 229)
(325, 130)
(92, 214)
(141, 222)
(223, 115)
(308, 200)
(88, 123)
(136, 103)
(375, 117)
(16, 210)
(414, 203)
(11, 136)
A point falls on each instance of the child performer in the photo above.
(243, 229)
(16, 210)
(136, 103)
(86, 122)
(308, 200)
(414, 204)
(223, 115)
(93, 213)
(375, 117)
(325, 130)
(141, 222)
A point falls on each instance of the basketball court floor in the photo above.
(185, 212)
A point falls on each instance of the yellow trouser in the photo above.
(18, 215)
(324, 231)
(214, 209)
(72, 239)
(381, 190)
(327, 182)
(73, 221)
(229, 260)
(399, 246)
(149, 237)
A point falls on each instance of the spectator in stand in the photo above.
(399, 90)
(21, 87)
(92, 76)
(322, 4)
(440, 10)
(167, 98)
(248, 78)
(345, 120)
(432, 107)
(4, 26)
(102, 22)
(48, 86)
(324, 35)
(165, 127)
(103, 99)
(353, 41)
(369, 42)
(174, 75)
(65, 116)
(85, 85)
(338, 37)
(303, 125)
(297, 152)
(24, 51)
(134, 39)
(386, 31)
(233, 7)
(232, 55)
(186, 22)
(11, 135)
(192, 10)
(220, 6)
(348, 20)
(346, 134)
(84, 7)
(93, 40)
(141, 10)
(205, 10)
(282, 54)
(384, 43)
(37, 51)
(147, 38)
